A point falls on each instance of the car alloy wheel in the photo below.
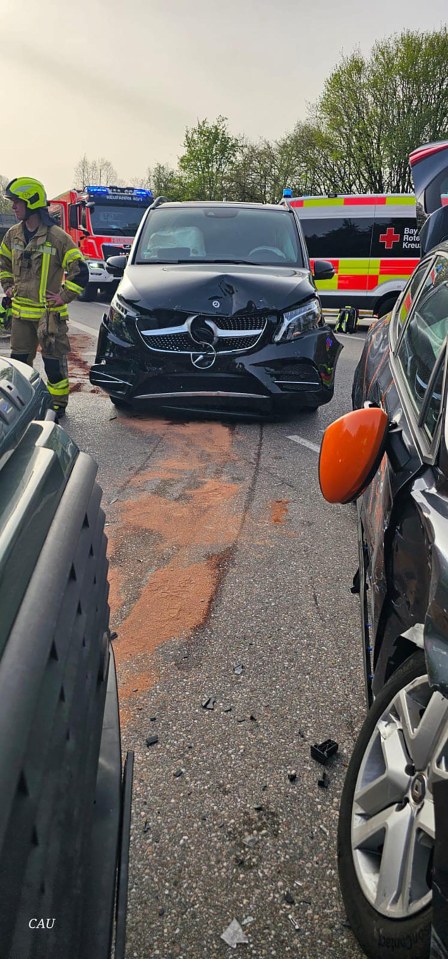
(386, 822)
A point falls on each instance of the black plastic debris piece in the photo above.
(179, 772)
(356, 583)
(324, 751)
(161, 911)
(324, 782)
(292, 775)
(209, 703)
(289, 898)
(253, 718)
(258, 807)
(227, 709)
(147, 826)
(151, 740)
(152, 719)
(112, 636)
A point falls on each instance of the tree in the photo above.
(207, 163)
(100, 172)
(374, 112)
(163, 181)
(5, 205)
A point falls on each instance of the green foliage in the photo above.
(5, 205)
(210, 153)
(376, 111)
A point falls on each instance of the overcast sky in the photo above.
(122, 79)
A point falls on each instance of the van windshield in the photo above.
(221, 234)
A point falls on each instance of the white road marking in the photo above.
(83, 327)
(309, 446)
(352, 336)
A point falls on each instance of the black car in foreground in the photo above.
(217, 310)
(392, 453)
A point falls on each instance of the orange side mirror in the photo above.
(351, 451)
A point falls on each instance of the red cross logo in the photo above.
(389, 238)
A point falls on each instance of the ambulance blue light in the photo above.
(143, 193)
(97, 189)
(287, 192)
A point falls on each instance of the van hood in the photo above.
(202, 288)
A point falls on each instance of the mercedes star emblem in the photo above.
(205, 359)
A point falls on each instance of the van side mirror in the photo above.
(323, 270)
(117, 264)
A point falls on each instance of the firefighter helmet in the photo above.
(31, 191)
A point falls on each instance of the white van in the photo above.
(372, 241)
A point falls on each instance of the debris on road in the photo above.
(294, 924)
(289, 898)
(324, 782)
(234, 935)
(238, 669)
(209, 703)
(324, 751)
(179, 772)
(151, 740)
(292, 775)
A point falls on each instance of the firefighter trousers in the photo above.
(50, 333)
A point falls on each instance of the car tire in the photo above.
(385, 838)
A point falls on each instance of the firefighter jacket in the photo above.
(33, 269)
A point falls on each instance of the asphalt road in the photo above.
(230, 586)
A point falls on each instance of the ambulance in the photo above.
(372, 241)
(102, 221)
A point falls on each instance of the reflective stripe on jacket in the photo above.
(38, 267)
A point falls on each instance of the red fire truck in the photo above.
(102, 221)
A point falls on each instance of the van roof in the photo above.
(352, 199)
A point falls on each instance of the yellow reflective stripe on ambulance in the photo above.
(400, 201)
(324, 201)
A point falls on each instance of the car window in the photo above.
(434, 403)
(337, 236)
(409, 293)
(425, 334)
(220, 234)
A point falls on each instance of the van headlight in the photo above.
(304, 317)
(96, 264)
(119, 317)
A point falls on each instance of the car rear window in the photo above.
(220, 234)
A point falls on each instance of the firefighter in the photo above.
(35, 256)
